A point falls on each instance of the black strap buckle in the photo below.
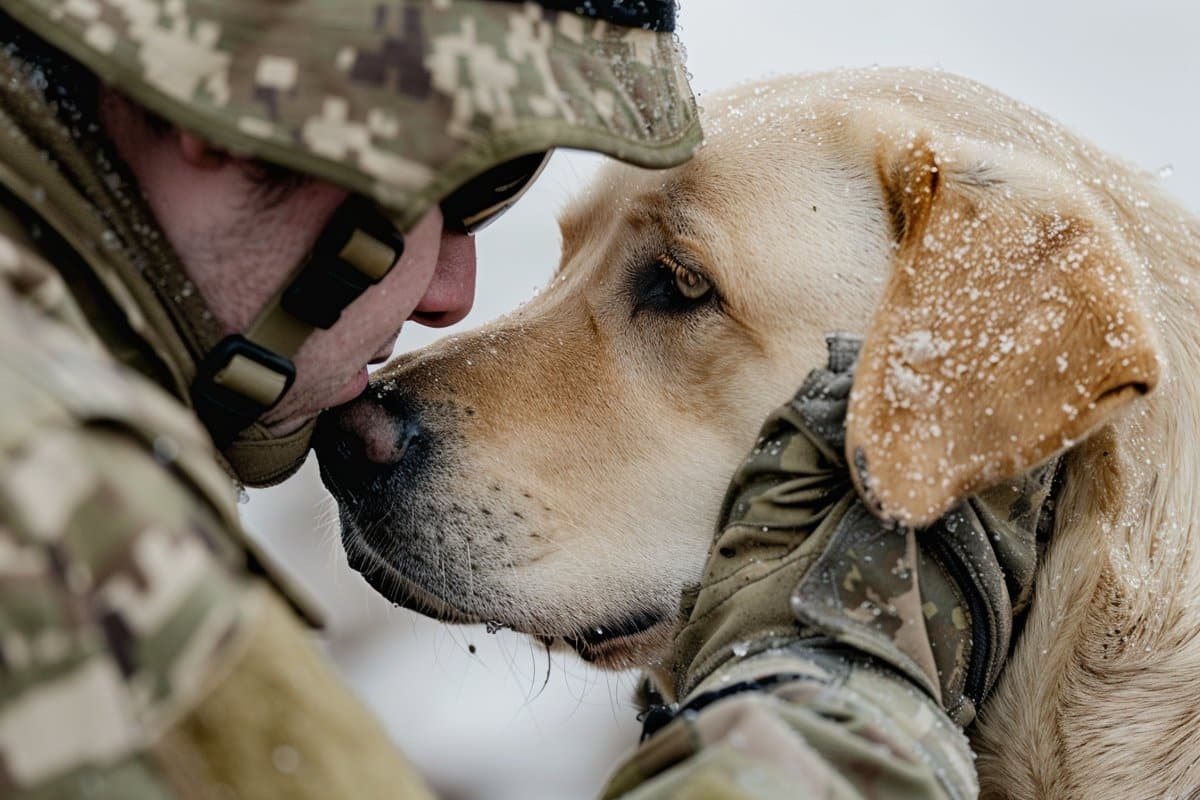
(659, 716)
(235, 383)
(356, 250)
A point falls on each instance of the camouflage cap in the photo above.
(401, 100)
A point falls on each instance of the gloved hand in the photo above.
(800, 562)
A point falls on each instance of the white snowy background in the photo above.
(490, 724)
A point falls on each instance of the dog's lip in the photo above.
(593, 643)
(414, 598)
(596, 641)
(398, 588)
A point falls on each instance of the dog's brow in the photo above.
(576, 223)
(571, 226)
(655, 209)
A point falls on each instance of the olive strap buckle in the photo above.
(235, 383)
(355, 251)
(247, 374)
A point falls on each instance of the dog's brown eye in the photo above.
(691, 284)
(664, 285)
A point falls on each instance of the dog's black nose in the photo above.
(365, 440)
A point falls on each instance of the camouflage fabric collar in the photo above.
(64, 176)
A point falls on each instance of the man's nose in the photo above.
(452, 290)
(359, 442)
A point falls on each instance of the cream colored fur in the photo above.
(594, 440)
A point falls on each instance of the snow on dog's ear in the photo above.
(1009, 328)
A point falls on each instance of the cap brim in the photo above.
(402, 102)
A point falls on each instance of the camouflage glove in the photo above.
(801, 565)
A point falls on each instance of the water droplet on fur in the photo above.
(166, 450)
(286, 759)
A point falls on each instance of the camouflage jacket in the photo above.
(140, 654)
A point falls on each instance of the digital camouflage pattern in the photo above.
(121, 590)
(400, 100)
(908, 629)
(141, 657)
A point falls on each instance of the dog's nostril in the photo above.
(361, 442)
(392, 443)
(410, 431)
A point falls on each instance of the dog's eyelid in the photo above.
(670, 262)
(692, 283)
(681, 261)
(667, 281)
(692, 287)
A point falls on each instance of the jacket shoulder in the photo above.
(55, 374)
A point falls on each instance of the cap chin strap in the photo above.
(260, 459)
(245, 375)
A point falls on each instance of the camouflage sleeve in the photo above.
(826, 651)
(118, 606)
(816, 724)
(138, 658)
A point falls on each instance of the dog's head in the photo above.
(560, 470)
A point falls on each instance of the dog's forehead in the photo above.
(794, 134)
(722, 188)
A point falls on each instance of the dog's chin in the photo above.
(638, 639)
(398, 588)
(643, 641)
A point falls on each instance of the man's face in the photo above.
(433, 284)
(240, 239)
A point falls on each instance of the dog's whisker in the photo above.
(546, 681)
(470, 570)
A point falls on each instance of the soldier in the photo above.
(213, 215)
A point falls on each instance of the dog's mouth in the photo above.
(617, 644)
(614, 644)
(395, 586)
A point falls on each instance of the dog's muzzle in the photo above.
(383, 463)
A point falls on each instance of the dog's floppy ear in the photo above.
(1009, 329)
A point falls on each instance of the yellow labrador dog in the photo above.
(1022, 294)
